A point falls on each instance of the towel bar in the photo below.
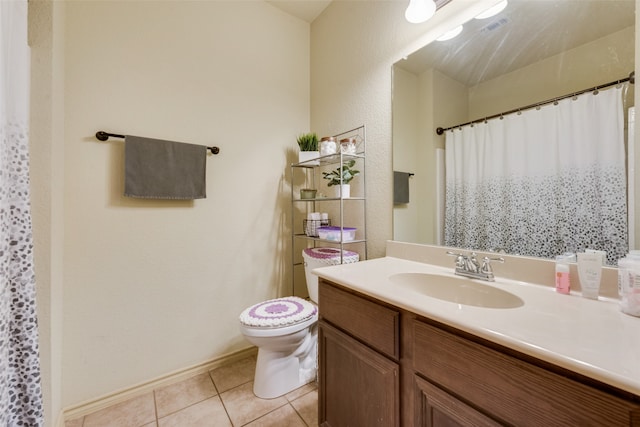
(103, 136)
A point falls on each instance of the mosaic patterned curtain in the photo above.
(20, 390)
(542, 182)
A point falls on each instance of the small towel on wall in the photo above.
(401, 187)
(158, 169)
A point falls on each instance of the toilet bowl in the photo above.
(284, 330)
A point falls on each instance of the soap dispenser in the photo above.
(563, 272)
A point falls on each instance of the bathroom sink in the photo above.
(459, 290)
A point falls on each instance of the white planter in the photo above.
(343, 191)
(305, 156)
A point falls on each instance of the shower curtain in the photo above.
(20, 390)
(541, 182)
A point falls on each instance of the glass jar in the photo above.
(348, 146)
(328, 146)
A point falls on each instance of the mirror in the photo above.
(530, 52)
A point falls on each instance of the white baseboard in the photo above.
(105, 401)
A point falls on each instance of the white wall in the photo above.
(155, 286)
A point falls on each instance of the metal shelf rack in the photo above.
(307, 174)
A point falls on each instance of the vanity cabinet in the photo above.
(447, 377)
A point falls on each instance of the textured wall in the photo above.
(353, 47)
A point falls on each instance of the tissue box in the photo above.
(333, 233)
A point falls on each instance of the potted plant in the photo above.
(340, 177)
(308, 143)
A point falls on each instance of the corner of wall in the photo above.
(46, 39)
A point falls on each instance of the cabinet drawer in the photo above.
(513, 391)
(372, 323)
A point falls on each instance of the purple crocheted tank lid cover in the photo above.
(278, 312)
(332, 254)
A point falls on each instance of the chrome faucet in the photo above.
(469, 266)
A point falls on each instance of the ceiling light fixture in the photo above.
(419, 11)
(450, 34)
(493, 10)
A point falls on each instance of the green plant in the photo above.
(308, 142)
(345, 171)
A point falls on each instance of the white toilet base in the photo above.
(278, 373)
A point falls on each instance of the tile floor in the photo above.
(222, 397)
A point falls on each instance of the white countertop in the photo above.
(593, 338)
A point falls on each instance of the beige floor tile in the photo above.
(193, 403)
(243, 406)
(285, 416)
(307, 407)
(300, 391)
(209, 412)
(135, 412)
(74, 423)
(235, 374)
(177, 396)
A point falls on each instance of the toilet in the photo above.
(284, 330)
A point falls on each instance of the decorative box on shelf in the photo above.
(335, 233)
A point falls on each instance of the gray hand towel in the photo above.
(401, 187)
(158, 169)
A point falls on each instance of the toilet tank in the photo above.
(322, 257)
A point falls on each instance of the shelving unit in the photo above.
(343, 211)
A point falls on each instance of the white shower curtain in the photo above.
(20, 389)
(541, 182)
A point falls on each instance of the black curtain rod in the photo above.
(103, 136)
(630, 79)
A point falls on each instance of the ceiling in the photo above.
(526, 32)
(307, 10)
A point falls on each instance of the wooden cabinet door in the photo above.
(437, 408)
(513, 390)
(358, 386)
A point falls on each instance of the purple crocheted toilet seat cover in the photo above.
(331, 256)
(278, 312)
